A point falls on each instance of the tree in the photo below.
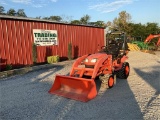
(55, 18)
(137, 30)
(97, 24)
(140, 30)
(38, 17)
(77, 22)
(66, 19)
(2, 10)
(21, 13)
(121, 22)
(70, 51)
(109, 26)
(109, 23)
(45, 18)
(11, 12)
(85, 19)
(100, 24)
(152, 28)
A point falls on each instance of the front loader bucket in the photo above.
(80, 89)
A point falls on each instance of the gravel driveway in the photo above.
(26, 97)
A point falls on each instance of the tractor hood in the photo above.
(96, 56)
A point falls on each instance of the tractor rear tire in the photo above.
(123, 73)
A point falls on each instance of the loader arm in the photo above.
(97, 67)
(76, 63)
(100, 65)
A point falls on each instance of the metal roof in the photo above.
(42, 20)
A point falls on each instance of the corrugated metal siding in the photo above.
(16, 38)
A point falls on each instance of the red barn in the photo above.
(17, 35)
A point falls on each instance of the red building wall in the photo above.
(16, 39)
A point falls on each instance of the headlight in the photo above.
(94, 60)
(86, 60)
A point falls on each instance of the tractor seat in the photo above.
(113, 49)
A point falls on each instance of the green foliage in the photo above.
(8, 67)
(121, 22)
(45, 18)
(50, 59)
(77, 22)
(143, 30)
(97, 24)
(2, 10)
(152, 28)
(55, 18)
(137, 30)
(85, 19)
(56, 58)
(34, 53)
(21, 13)
(70, 51)
(38, 17)
(11, 12)
(133, 30)
(53, 59)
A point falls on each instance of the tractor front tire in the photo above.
(111, 81)
(107, 81)
(123, 73)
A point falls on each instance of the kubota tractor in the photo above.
(80, 84)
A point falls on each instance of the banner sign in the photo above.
(45, 37)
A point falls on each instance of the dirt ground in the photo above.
(26, 97)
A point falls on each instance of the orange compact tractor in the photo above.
(105, 64)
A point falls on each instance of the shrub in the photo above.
(70, 51)
(56, 58)
(8, 67)
(34, 53)
(53, 59)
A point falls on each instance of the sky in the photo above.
(141, 11)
